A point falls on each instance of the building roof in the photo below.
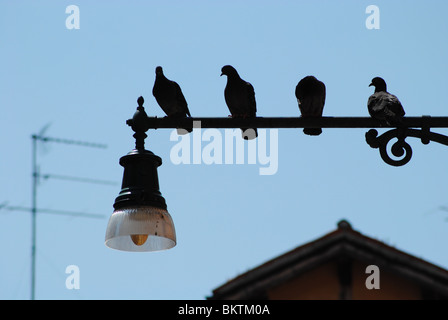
(342, 242)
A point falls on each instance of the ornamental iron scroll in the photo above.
(401, 149)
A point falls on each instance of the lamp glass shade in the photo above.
(140, 228)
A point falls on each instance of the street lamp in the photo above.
(140, 221)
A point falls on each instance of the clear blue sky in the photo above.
(84, 83)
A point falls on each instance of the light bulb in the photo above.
(139, 239)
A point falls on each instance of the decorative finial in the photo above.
(140, 101)
(344, 224)
(139, 125)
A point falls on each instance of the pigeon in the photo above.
(384, 106)
(310, 94)
(240, 98)
(170, 98)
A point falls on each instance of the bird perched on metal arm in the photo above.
(170, 98)
(384, 106)
(240, 99)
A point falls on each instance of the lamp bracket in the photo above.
(419, 127)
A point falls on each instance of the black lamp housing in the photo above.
(140, 221)
(140, 186)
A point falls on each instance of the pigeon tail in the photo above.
(183, 131)
(312, 131)
(249, 134)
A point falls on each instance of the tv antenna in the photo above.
(36, 175)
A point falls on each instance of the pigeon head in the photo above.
(159, 70)
(229, 71)
(379, 84)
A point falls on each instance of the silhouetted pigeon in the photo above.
(170, 98)
(384, 106)
(310, 94)
(240, 98)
